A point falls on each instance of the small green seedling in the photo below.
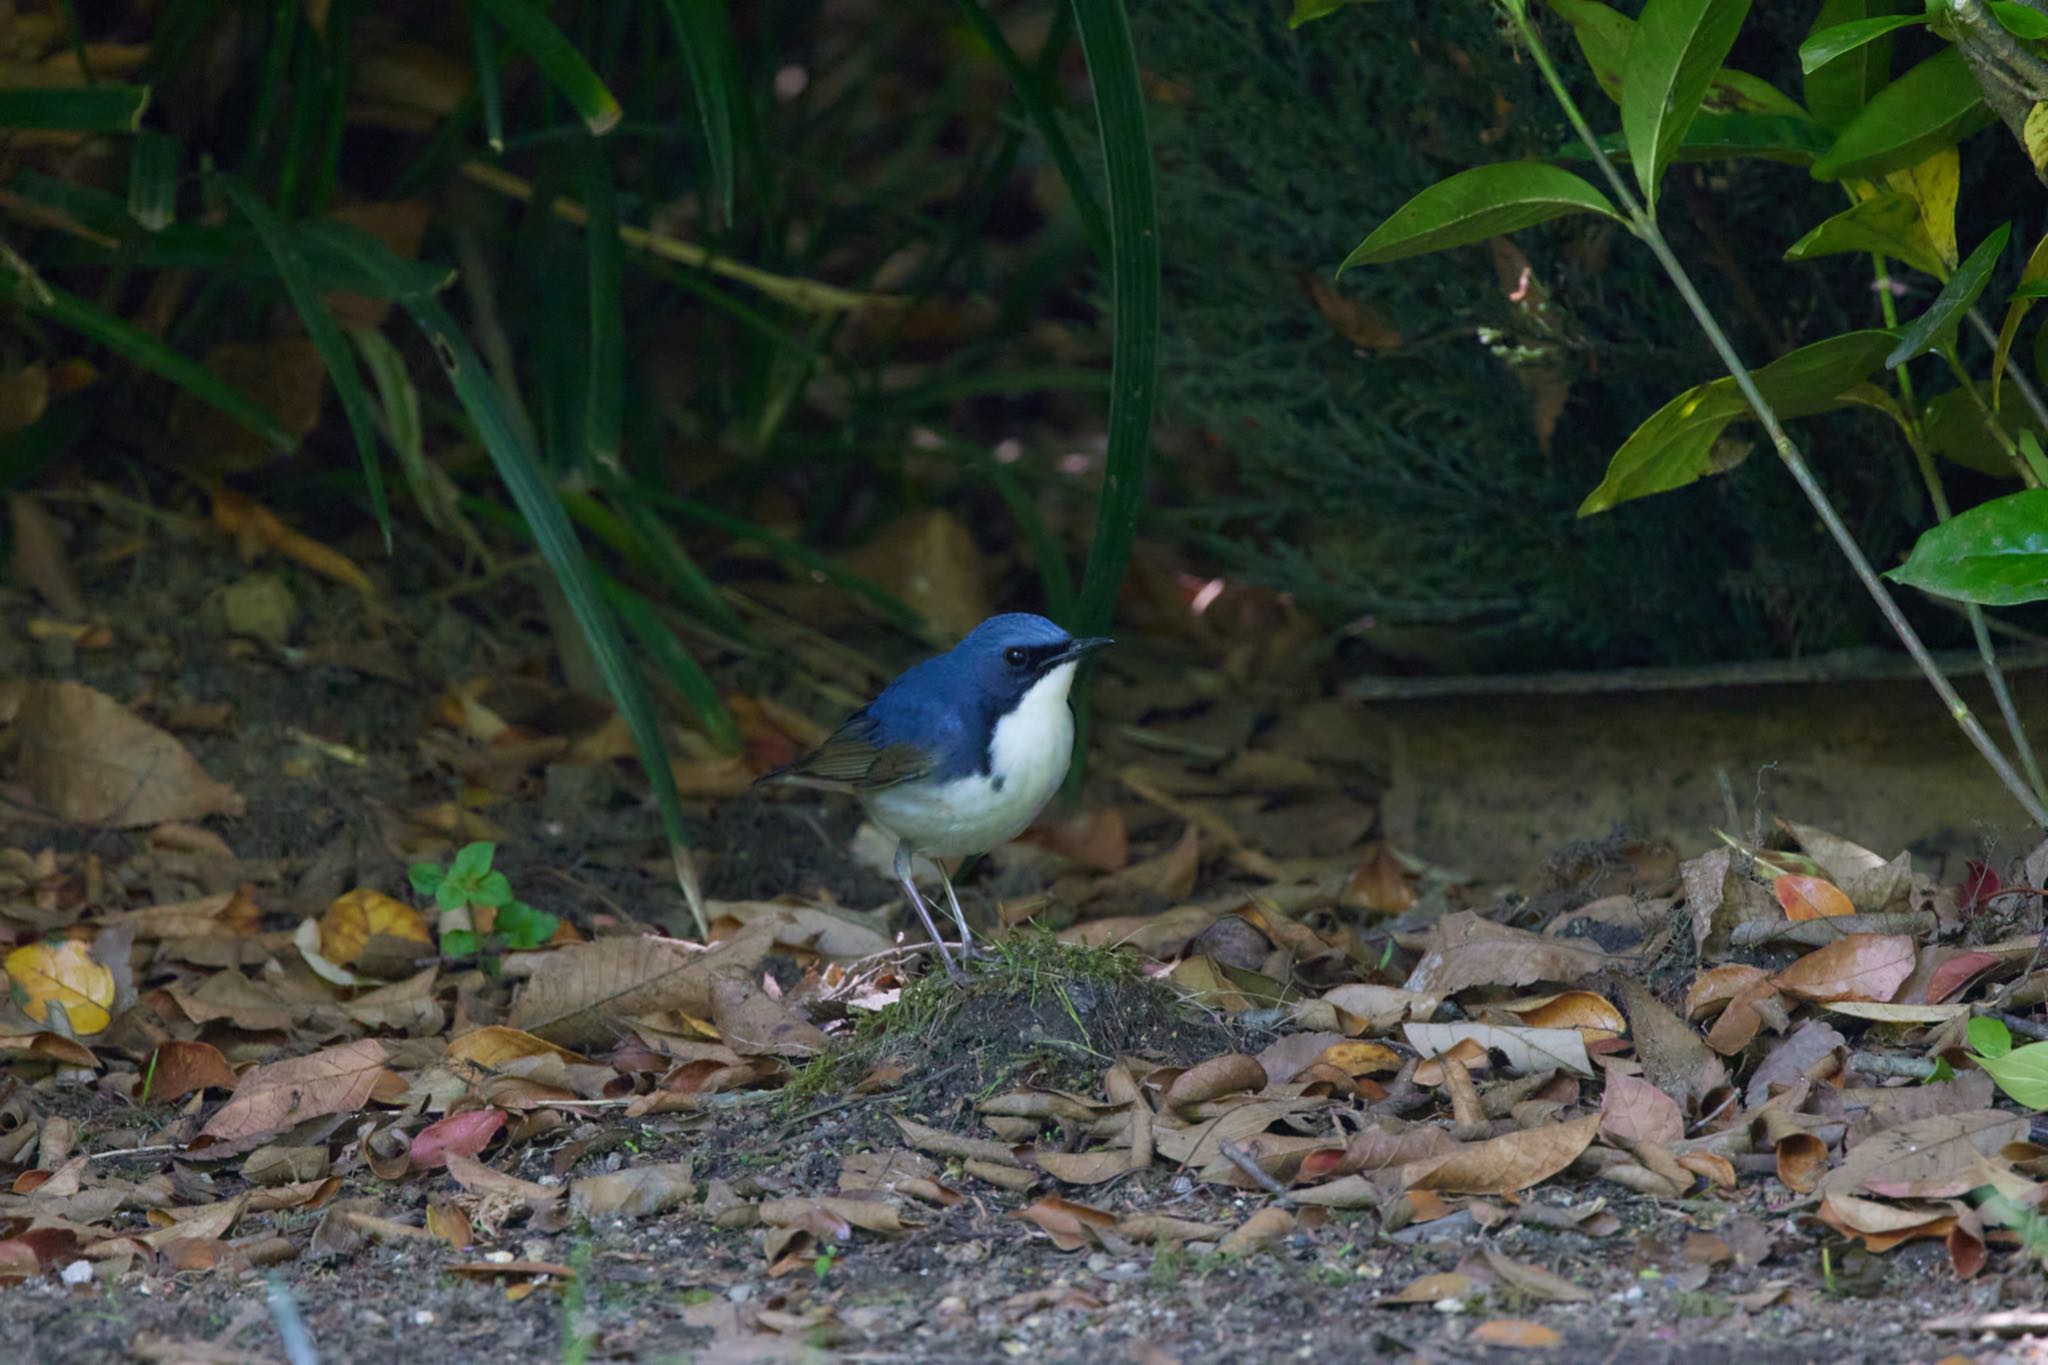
(2020, 1072)
(468, 883)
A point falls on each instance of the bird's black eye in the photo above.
(1016, 656)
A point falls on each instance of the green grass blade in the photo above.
(1033, 93)
(703, 28)
(153, 180)
(657, 547)
(536, 35)
(676, 661)
(277, 63)
(133, 344)
(604, 388)
(281, 243)
(489, 86)
(1134, 303)
(93, 109)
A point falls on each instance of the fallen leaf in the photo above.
(463, 1134)
(1229, 1074)
(578, 994)
(1257, 1232)
(1532, 1280)
(931, 562)
(1813, 1052)
(1637, 1111)
(1071, 1226)
(1379, 883)
(66, 975)
(338, 1080)
(256, 528)
(1466, 950)
(361, 915)
(1506, 1164)
(90, 761)
(1853, 967)
(1810, 897)
(1526, 1049)
(178, 1067)
(1443, 1287)
(1516, 1333)
(1932, 1157)
(754, 1024)
(1355, 320)
(633, 1193)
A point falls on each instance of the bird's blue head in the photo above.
(956, 699)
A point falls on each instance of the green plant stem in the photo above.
(1795, 464)
(1937, 495)
(1991, 422)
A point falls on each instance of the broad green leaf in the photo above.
(1828, 44)
(1932, 185)
(2022, 21)
(1888, 224)
(473, 861)
(1995, 554)
(1936, 328)
(2033, 277)
(1675, 446)
(1836, 92)
(1486, 201)
(426, 878)
(1935, 104)
(1307, 10)
(1603, 35)
(1739, 92)
(1795, 140)
(92, 109)
(1988, 1037)
(1954, 428)
(1677, 47)
(529, 27)
(2022, 1074)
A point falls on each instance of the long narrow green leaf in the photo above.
(703, 29)
(152, 354)
(1134, 302)
(1032, 93)
(1829, 43)
(664, 555)
(278, 51)
(1934, 105)
(281, 243)
(564, 67)
(1935, 329)
(1473, 205)
(604, 387)
(676, 661)
(490, 88)
(1677, 47)
(93, 109)
(153, 179)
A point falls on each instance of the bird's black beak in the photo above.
(1083, 647)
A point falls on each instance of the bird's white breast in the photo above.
(1028, 756)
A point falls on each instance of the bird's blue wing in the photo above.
(860, 756)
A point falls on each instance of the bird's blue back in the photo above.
(949, 704)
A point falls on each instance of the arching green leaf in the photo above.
(1473, 205)
(1677, 48)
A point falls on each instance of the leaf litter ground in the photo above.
(1274, 1089)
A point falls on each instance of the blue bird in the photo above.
(961, 752)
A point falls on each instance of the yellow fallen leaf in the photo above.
(255, 526)
(360, 915)
(66, 973)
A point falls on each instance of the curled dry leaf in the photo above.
(1517, 1334)
(463, 1134)
(1636, 1111)
(578, 994)
(1855, 967)
(1526, 1049)
(1229, 1074)
(1071, 1226)
(1257, 1232)
(1361, 1008)
(1591, 1013)
(63, 974)
(359, 916)
(1936, 1157)
(91, 761)
(754, 1024)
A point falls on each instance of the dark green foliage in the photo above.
(1408, 485)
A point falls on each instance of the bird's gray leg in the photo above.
(917, 904)
(959, 917)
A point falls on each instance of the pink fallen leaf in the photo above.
(465, 1134)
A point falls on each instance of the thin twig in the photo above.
(1788, 453)
(1242, 1159)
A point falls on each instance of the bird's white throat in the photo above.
(1028, 755)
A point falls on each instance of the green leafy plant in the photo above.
(2021, 1072)
(468, 883)
(1891, 143)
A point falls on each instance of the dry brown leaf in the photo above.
(478, 1178)
(1071, 1226)
(579, 994)
(177, 1068)
(1810, 897)
(1674, 1058)
(1587, 1011)
(268, 1099)
(754, 1024)
(1506, 1164)
(1854, 967)
(1379, 883)
(1532, 1280)
(1361, 1008)
(941, 1143)
(1637, 1111)
(1526, 1049)
(930, 561)
(1085, 1168)
(91, 761)
(632, 1193)
(354, 919)
(39, 557)
(1814, 1052)
(1516, 1334)
(1935, 1157)
(257, 529)
(64, 975)
(1257, 1232)
(1444, 1287)
(1357, 321)
(1716, 986)
(1229, 1074)
(1466, 950)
